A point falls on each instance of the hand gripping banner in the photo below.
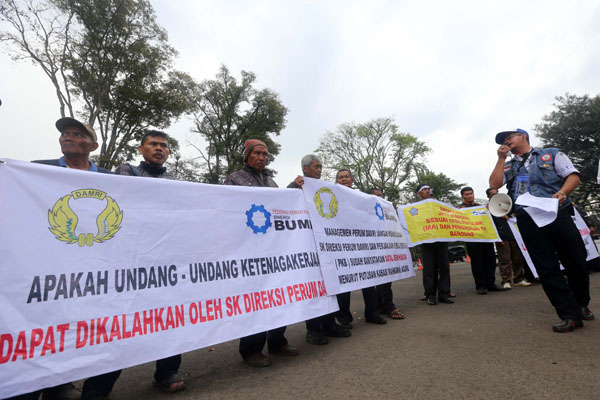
(101, 272)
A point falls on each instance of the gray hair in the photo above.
(308, 159)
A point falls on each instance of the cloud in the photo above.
(451, 73)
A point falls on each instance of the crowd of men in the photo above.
(542, 172)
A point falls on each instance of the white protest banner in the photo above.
(512, 223)
(584, 231)
(358, 237)
(102, 272)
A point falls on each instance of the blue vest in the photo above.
(543, 180)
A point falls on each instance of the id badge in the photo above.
(522, 184)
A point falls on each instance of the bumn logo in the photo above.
(252, 213)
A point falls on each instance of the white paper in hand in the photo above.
(542, 210)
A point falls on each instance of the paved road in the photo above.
(495, 346)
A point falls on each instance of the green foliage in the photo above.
(184, 169)
(574, 127)
(39, 32)
(376, 153)
(227, 113)
(110, 63)
(444, 188)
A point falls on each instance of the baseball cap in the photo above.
(502, 135)
(62, 123)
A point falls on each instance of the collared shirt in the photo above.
(61, 161)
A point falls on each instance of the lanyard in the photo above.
(523, 161)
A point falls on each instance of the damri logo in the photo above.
(321, 198)
(251, 214)
(63, 220)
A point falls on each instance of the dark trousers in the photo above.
(528, 274)
(254, 344)
(483, 264)
(436, 270)
(102, 385)
(321, 324)
(385, 297)
(510, 261)
(48, 392)
(371, 305)
(559, 240)
(99, 385)
(593, 265)
(167, 366)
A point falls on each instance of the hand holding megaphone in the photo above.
(500, 205)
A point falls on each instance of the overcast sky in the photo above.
(452, 73)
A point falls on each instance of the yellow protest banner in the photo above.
(433, 221)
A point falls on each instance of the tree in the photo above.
(227, 114)
(41, 33)
(574, 127)
(376, 153)
(109, 62)
(184, 169)
(444, 188)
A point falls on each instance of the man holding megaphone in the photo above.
(547, 173)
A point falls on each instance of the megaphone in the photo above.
(500, 205)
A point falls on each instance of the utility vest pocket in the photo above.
(546, 170)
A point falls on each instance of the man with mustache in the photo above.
(547, 173)
(155, 150)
